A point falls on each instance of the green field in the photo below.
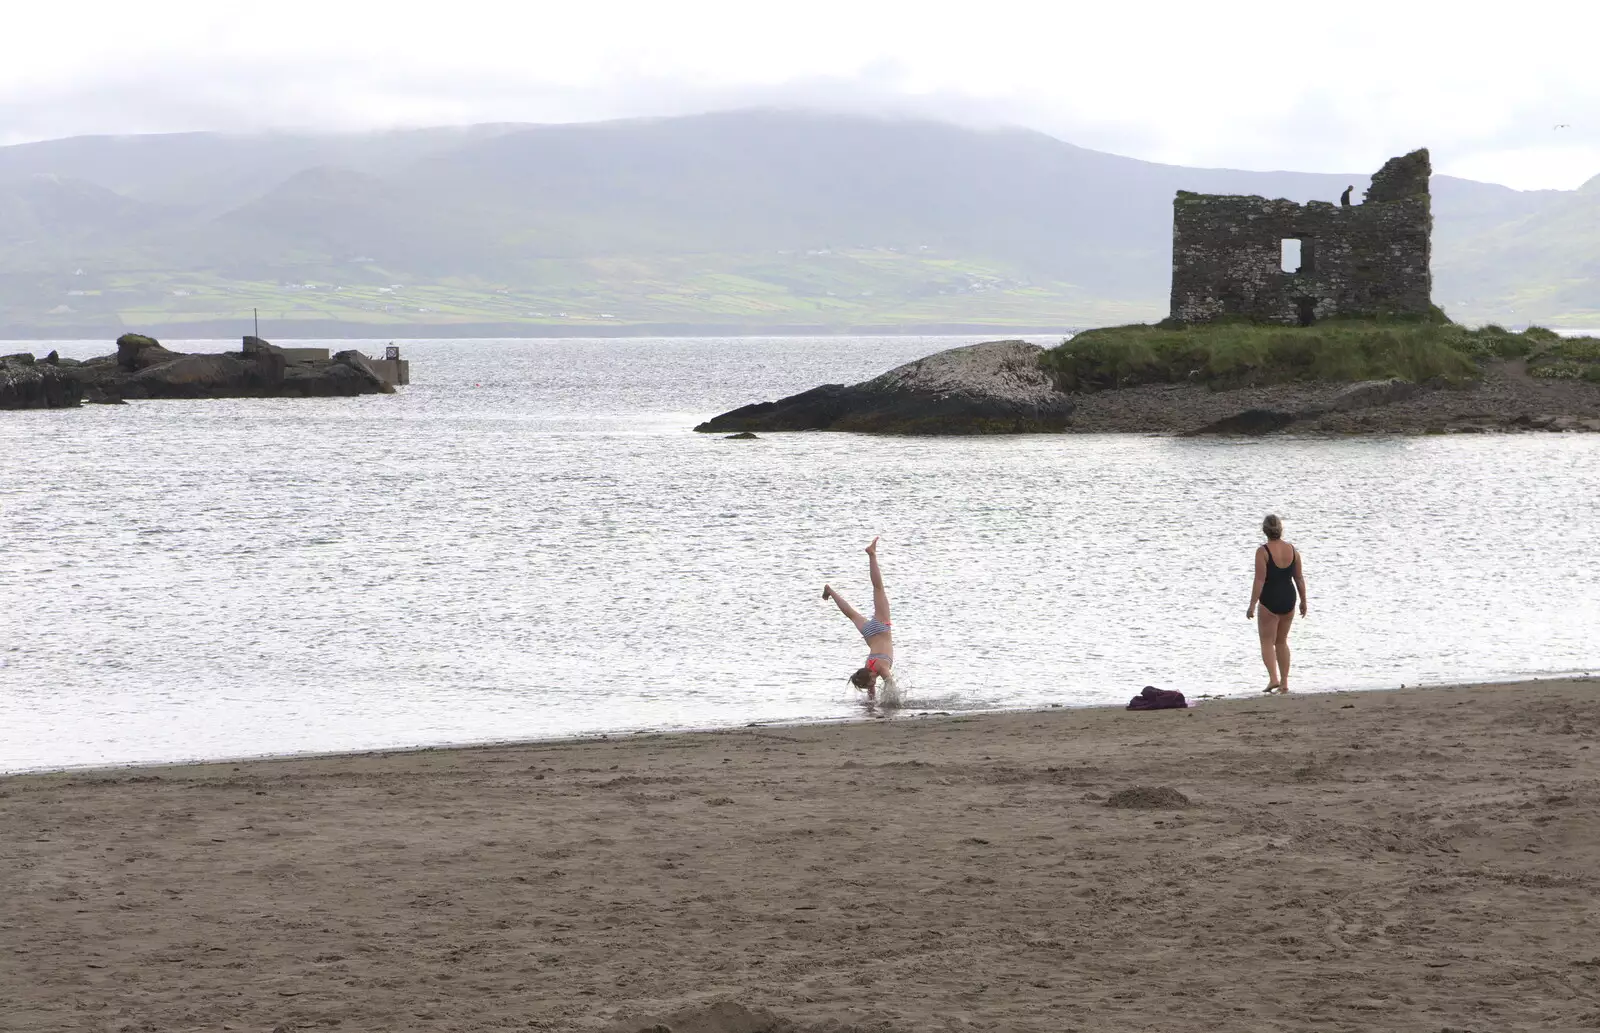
(835, 290)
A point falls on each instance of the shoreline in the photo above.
(633, 734)
(318, 330)
(1392, 859)
(232, 329)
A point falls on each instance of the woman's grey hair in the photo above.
(1272, 527)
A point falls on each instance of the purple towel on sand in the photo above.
(1153, 698)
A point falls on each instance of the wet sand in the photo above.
(1411, 860)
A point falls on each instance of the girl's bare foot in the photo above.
(873, 547)
(827, 592)
(1271, 685)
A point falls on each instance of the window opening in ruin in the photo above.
(1308, 310)
(1291, 255)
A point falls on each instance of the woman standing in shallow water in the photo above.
(1278, 575)
(877, 631)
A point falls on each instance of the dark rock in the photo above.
(348, 373)
(143, 369)
(270, 361)
(1250, 422)
(105, 382)
(196, 376)
(358, 362)
(1372, 392)
(136, 352)
(30, 385)
(743, 435)
(54, 358)
(816, 409)
(1564, 423)
(18, 358)
(992, 388)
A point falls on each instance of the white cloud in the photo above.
(1336, 86)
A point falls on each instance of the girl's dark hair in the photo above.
(1272, 527)
(862, 679)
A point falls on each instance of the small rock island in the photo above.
(995, 388)
(1348, 340)
(141, 368)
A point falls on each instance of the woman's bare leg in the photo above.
(880, 598)
(829, 592)
(1267, 626)
(1280, 643)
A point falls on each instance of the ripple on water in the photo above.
(555, 553)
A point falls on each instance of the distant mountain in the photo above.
(46, 212)
(742, 220)
(1538, 265)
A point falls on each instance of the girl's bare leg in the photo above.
(828, 592)
(1280, 643)
(1267, 627)
(880, 598)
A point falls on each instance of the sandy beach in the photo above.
(1420, 859)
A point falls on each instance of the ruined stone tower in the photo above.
(1370, 259)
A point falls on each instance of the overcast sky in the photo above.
(1334, 87)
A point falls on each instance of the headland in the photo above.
(1314, 318)
(1379, 376)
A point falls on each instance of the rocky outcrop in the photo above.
(142, 368)
(27, 384)
(271, 362)
(192, 376)
(1000, 388)
(136, 352)
(1367, 393)
(1251, 423)
(993, 388)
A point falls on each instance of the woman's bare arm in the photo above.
(1260, 582)
(1300, 580)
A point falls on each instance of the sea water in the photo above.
(530, 541)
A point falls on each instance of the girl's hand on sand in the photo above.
(873, 547)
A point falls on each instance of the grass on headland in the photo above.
(1238, 354)
(1567, 358)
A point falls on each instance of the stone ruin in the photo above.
(1230, 253)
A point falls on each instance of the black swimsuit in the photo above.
(1278, 594)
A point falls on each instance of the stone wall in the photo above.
(1368, 259)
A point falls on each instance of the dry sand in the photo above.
(1414, 860)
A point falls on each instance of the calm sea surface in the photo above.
(530, 542)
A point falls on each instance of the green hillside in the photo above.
(1544, 265)
(739, 221)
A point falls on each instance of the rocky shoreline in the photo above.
(1000, 388)
(141, 368)
(994, 388)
